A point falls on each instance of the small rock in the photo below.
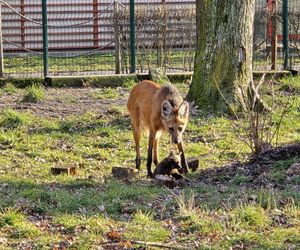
(101, 209)
(164, 180)
(223, 189)
(253, 197)
(294, 169)
(124, 173)
(127, 208)
(262, 179)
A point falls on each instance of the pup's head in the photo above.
(175, 119)
(174, 160)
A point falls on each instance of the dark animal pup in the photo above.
(169, 166)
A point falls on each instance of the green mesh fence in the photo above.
(91, 37)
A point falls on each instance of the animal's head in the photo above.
(175, 119)
(174, 160)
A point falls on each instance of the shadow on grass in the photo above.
(266, 175)
(76, 196)
(82, 127)
(270, 173)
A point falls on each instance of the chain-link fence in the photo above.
(22, 41)
(80, 39)
(165, 35)
(268, 46)
(294, 34)
(93, 36)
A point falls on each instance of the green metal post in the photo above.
(285, 32)
(1, 46)
(45, 38)
(132, 37)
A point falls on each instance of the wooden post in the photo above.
(117, 38)
(1, 46)
(22, 6)
(96, 23)
(45, 39)
(274, 34)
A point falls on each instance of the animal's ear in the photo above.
(166, 109)
(171, 153)
(183, 110)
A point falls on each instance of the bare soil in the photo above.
(259, 169)
(62, 102)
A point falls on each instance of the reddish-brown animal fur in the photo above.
(157, 109)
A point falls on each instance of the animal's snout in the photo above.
(176, 140)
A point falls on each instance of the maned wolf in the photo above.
(157, 109)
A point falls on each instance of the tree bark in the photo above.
(223, 60)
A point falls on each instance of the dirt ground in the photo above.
(62, 102)
(258, 170)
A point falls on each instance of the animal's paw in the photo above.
(183, 170)
(150, 175)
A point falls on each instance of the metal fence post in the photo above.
(132, 37)
(274, 34)
(1, 46)
(285, 33)
(117, 38)
(45, 38)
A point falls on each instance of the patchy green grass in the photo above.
(250, 217)
(105, 93)
(11, 119)
(18, 224)
(9, 88)
(34, 93)
(291, 84)
(91, 209)
(145, 228)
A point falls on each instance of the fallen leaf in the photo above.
(114, 235)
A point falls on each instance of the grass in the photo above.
(9, 88)
(291, 84)
(11, 119)
(250, 217)
(79, 212)
(34, 93)
(145, 228)
(105, 93)
(19, 225)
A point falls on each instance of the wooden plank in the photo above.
(69, 169)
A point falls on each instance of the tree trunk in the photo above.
(223, 60)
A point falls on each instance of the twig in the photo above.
(156, 244)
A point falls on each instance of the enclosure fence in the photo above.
(92, 37)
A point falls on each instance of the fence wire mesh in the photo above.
(294, 34)
(93, 36)
(268, 26)
(22, 40)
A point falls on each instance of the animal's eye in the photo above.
(180, 129)
(171, 128)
